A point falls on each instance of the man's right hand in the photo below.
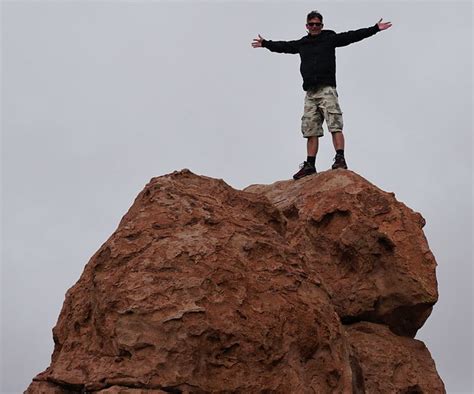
(257, 42)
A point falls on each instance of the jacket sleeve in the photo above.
(282, 46)
(348, 37)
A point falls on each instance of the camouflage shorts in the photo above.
(319, 105)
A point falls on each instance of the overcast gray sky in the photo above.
(100, 96)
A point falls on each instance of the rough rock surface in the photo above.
(204, 288)
(392, 364)
(368, 248)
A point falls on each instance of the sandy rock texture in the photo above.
(388, 363)
(275, 289)
(368, 248)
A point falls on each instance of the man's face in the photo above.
(314, 26)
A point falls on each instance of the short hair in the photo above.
(314, 14)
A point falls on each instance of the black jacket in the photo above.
(318, 53)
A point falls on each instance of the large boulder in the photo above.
(198, 291)
(279, 288)
(368, 248)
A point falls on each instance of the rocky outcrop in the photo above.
(279, 288)
(368, 248)
(388, 363)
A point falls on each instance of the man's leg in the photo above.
(311, 127)
(335, 123)
(338, 140)
(309, 166)
(339, 160)
(312, 146)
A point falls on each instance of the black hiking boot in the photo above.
(339, 162)
(305, 169)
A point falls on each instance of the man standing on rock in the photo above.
(317, 51)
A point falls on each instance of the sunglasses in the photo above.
(311, 24)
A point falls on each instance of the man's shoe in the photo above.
(339, 162)
(305, 169)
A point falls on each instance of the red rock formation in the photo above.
(368, 248)
(204, 288)
(388, 363)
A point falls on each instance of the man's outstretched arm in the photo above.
(276, 46)
(348, 37)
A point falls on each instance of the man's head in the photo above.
(314, 23)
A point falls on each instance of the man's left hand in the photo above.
(383, 25)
